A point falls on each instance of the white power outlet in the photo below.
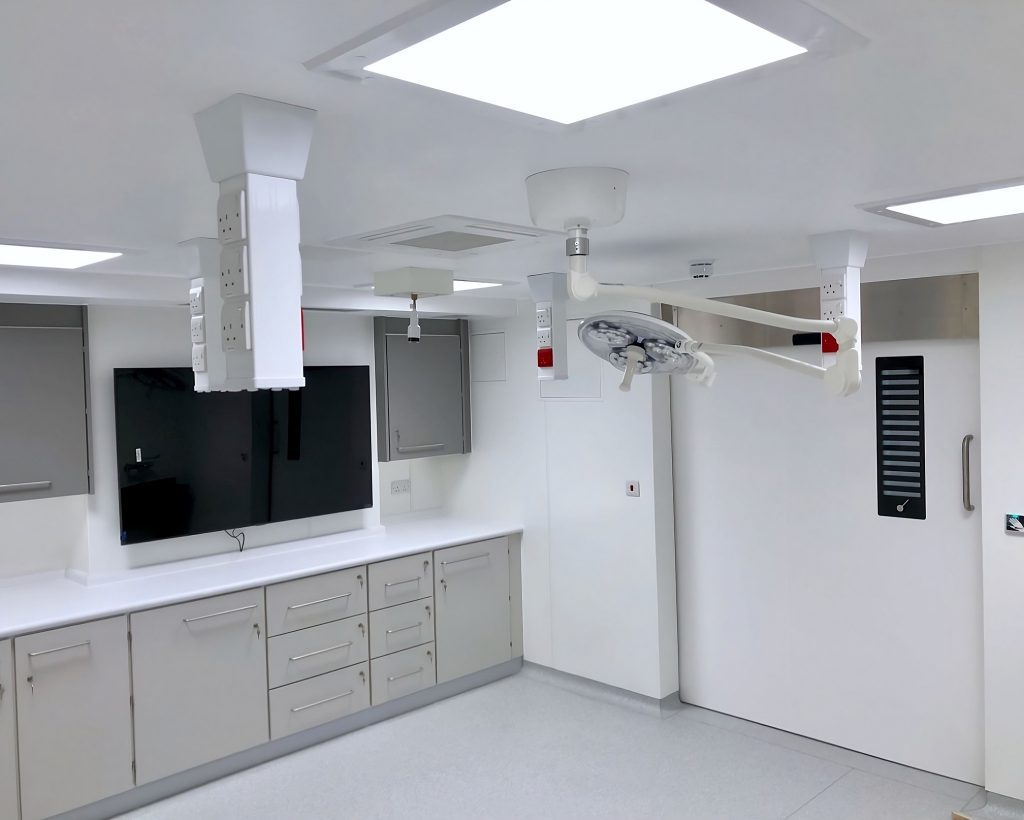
(835, 309)
(832, 290)
(235, 332)
(231, 216)
(543, 315)
(234, 271)
(198, 330)
(199, 358)
(544, 337)
(195, 301)
(401, 486)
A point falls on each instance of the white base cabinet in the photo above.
(8, 735)
(200, 676)
(74, 716)
(473, 606)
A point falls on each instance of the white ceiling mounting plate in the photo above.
(407, 281)
(444, 236)
(584, 197)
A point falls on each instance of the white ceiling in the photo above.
(98, 145)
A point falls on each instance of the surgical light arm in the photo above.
(841, 379)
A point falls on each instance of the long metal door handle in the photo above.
(419, 448)
(321, 651)
(399, 583)
(321, 601)
(470, 558)
(404, 628)
(965, 463)
(219, 614)
(322, 702)
(58, 649)
(25, 487)
(393, 678)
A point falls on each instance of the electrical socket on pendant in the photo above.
(544, 337)
(235, 333)
(195, 301)
(198, 330)
(231, 216)
(199, 358)
(234, 271)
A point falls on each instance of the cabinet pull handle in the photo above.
(965, 463)
(470, 558)
(419, 448)
(218, 614)
(25, 487)
(404, 628)
(321, 651)
(322, 702)
(320, 601)
(399, 583)
(393, 678)
(58, 649)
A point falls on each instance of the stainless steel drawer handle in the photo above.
(320, 601)
(420, 448)
(219, 614)
(321, 651)
(25, 487)
(393, 678)
(463, 560)
(404, 628)
(965, 463)
(322, 702)
(58, 649)
(399, 583)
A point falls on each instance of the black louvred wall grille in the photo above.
(899, 414)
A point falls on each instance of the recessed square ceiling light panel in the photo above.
(570, 60)
(958, 205)
(37, 256)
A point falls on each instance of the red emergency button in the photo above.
(545, 357)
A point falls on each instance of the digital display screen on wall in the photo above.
(192, 462)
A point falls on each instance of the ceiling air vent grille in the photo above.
(444, 236)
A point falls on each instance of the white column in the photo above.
(840, 257)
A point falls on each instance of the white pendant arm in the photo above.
(775, 358)
(762, 317)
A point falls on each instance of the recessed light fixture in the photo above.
(960, 205)
(31, 256)
(568, 60)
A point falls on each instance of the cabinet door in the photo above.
(8, 738)
(425, 406)
(42, 413)
(472, 602)
(200, 678)
(74, 716)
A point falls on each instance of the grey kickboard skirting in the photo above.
(996, 807)
(183, 781)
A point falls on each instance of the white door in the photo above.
(74, 716)
(200, 676)
(8, 737)
(799, 606)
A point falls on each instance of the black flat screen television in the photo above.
(191, 463)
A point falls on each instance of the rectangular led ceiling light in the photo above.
(951, 207)
(569, 60)
(29, 256)
(465, 284)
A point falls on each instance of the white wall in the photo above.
(597, 566)
(154, 337)
(41, 535)
(1002, 486)
(801, 608)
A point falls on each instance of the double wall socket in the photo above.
(231, 216)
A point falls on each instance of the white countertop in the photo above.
(40, 602)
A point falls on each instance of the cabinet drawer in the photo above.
(402, 673)
(316, 650)
(401, 580)
(318, 700)
(315, 600)
(399, 627)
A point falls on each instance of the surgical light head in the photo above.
(639, 344)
